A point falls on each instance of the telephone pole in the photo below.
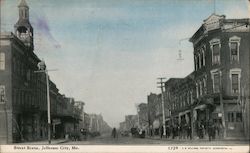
(162, 103)
(42, 69)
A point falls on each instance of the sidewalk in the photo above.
(44, 142)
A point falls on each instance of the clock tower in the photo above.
(23, 28)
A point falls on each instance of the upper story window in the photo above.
(197, 90)
(2, 61)
(205, 84)
(203, 55)
(195, 62)
(235, 75)
(215, 74)
(234, 45)
(202, 59)
(215, 48)
(201, 89)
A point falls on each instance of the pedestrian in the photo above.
(189, 131)
(167, 131)
(114, 133)
(210, 130)
(173, 131)
(201, 131)
(162, 130)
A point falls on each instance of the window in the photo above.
(238, 117)
(2, 61)
(215, 48)
(201, 89)
(197, 90)
(235, 80)
(2, 94)
(230, 116)
(191, 97)
(202, 59)
(235, 83)
(203, 55)
(216, 82)
(234, 51)
(234, 43)
(216, 54)
(205, 85)
(215, 74)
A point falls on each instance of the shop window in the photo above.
(230, 116)
(2, 61)
(238, 117)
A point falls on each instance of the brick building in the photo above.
(221, 59)
(23, 107)
(218, 88)
(143, 115)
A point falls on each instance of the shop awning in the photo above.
(201, 107)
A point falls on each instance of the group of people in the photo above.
(175, 130)
(183, 130)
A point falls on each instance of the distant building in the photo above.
(143, 115)
(131, 121)
(97, 124)
(155, 113)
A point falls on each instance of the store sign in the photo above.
(219, 114)
(2, 94)
(56, 121)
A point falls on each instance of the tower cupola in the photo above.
(23, 28)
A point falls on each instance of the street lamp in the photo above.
(42, 69)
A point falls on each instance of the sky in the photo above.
(109, 53)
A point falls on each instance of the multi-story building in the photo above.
(221, 59)
(97, 124)
(143, 115)
(23, 106)
(131, 121)
(155, 117)
(218, 89)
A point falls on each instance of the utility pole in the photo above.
(222, 107)
(162, 103)
(42, 69)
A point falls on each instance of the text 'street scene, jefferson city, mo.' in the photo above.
(124, 72)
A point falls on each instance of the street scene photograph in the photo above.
(124, 72)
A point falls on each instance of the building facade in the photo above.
(218, 89)
(23, 106)
(221, 59)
